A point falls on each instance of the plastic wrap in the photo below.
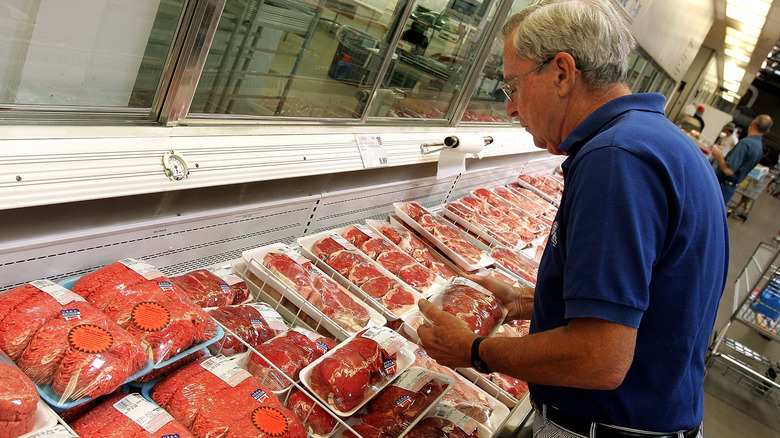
(237, 284)
(472, 304)
(401, 405)
(214, 397)
(18, 402)
(204, 288)
(444, 421)
(318, 421)
(349, 375)
(128, 415)
(491, 230)
(252, 323)
(412, 245)
(148, 305)
(65, 345)
(291, 352)
(525, 268)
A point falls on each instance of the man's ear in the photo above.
(565, 73)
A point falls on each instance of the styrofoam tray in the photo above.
(254, 261)
(485, 260)
(404, 359)
(373, 233)
(491, 388)
(438, 296)
(218, 334)
(306, 244)
(447, 381)
(443, 410)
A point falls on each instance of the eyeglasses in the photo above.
(507, 86)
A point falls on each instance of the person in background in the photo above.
(730, 138)
(622, 312)
(698, 116)
(734, 168)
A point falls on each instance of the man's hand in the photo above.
(447, 339)
(716, 151)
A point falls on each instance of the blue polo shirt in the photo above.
(640, 239)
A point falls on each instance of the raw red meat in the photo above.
(290, 353)
(414, 247)
(42, 335)
(248, 323)
(437, 427)
(379, 287)
(343, 377)
(157, 312)
(376, 246)
(18, 402)
(344, 261)
(289, 272)
(107, 420)
(540, 185)
(355, 236)
(317, 420)
(480, 224)
(448, 235)
(480, 311)
(325, 247)
(211, 407)
(513, 262)
(514, 387)
(204, 288)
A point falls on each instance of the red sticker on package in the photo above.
(150, 316)
(270, 421)
(90, 339)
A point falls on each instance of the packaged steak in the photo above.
(204, 288)
(482, 312)
(515, 263)
(128, 415)
(444, 421)
(516, 388)
(494, 230)
(289, 353)
(387, 254)
(64, 343)
(318, 421)
(18, 402)
(313, 291)
(140, 299)
(349, 375)
(251, 323)
(412, 245)
(214, 397)
(237, 284)
(400, 405)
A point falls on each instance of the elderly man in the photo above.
(734, 167)
(622, 312)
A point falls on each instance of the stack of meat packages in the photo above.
(550, 185)
(211, 289)
(446, 233)
(140, 299)
(549, 210)
(312, 285)
(515, 263)
(406, 241)
(128, 416)
(512, 386)
(215, 398)
(445, 422)
(248, 325)
(58, 339)
(363, 272)
(18, 402)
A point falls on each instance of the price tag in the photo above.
(143, 413)
(59, 293)
(226, 370)
(143, 269)
(372, 151)
(389, 340)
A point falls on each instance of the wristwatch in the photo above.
(477, 361)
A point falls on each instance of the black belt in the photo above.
(729, 183)
(582, 427)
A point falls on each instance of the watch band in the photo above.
(477, 361)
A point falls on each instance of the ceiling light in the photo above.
(760, 7)
(750, 18)
(732, 32)
(737, 54)
(727, 97)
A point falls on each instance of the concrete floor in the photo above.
(732, 407)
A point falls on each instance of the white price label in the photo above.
(142, 268)
(464, 422)
(372, 151)
(271, 317)
(389, 340)
(226, 370)
(413, 380)
(59, 293)
(227, 275)
(143, 413)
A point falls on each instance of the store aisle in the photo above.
(730, 408)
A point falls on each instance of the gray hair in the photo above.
(593, 32)
(763, 123)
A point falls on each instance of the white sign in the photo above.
(371, 150)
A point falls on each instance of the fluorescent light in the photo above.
(731, 86)
(750, 18)
(760, 7)
(737, 55)
(727, 97)
(734, 42)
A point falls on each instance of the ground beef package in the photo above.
(18, 402)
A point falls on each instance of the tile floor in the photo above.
(731, 408)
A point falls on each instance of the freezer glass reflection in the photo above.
(99, 53)
(295, 58)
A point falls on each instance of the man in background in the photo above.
(734, 168)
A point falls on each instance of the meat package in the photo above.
(492, 229)
(128, 415)
(401, 405)
(472, 304)
(541, 186)
(215, 398)
(412, 245)
(515, 263)
(18, 402)
(251, 323)
(465, 396)
(394, 297)
(512, 386)
(522, 222)
(349, 375)
(58, 339)
(286, 269)
(317, 420)
(534, 196)
(444, 421)
(444, 235)
(290, 352)
(204, 288)
(140, 299)
(399, 263)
